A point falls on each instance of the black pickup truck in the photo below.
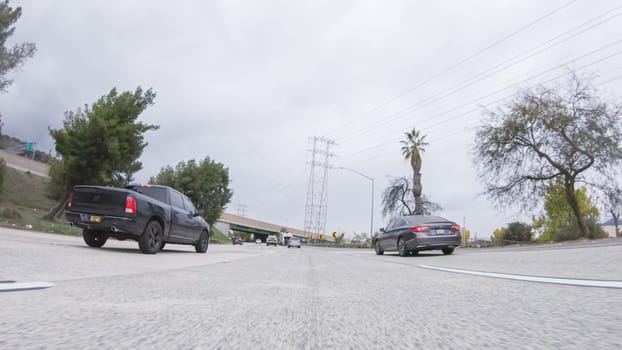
(153, 215)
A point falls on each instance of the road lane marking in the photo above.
(14, 287)
(541, 279)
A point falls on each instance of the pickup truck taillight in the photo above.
(70, 199)
(130, 205)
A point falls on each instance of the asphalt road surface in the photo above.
(258, 297)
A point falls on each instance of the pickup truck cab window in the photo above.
(177, 200)
(158, 193)
(189, 206)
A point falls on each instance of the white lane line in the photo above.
(14, 287)
(541, 279)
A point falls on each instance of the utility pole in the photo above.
(371, 226)
(317, 190)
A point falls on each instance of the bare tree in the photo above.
(613, 202)
(397, 199)
(614, 210)
(545, 133)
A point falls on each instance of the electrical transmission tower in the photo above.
(241, 211)
(317, 191)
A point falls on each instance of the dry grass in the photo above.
(26, 194)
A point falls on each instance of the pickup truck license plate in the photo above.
(96, 218)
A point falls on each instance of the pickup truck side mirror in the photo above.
(382, 229)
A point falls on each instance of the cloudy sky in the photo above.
(248, 83)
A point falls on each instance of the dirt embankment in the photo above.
(25, 164)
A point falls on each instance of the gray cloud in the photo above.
(247, 83)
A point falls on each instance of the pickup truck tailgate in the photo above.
(99, 200)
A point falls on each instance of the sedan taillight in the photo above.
(455, 228)
(420, 229)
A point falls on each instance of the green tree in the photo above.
(412, 148)
(466, 236)
(544, 134)
(518, 232)
(58, 184)
(498, 233)
(206, 183)
(397, 200)
(100, 143)
(560, 224)
(125, 176)
(11, 58)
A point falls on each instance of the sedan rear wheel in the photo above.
(379, 250)
(401, 248)
(202, 243)
(448, 251)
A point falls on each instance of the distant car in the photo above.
(271, 240)
(236, 240)
(258, 241)
(411, 234)
(293, 242)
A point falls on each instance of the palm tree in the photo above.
(412, 148)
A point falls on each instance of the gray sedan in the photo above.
(293, 242)
(413, 233)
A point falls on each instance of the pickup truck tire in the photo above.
(151, 239)
(203, 243)
(94, 239)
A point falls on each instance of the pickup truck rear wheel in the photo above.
(151, 239)
(94, 239)
(202, 244)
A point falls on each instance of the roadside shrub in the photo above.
(8, 213)
(2, 171)
(518, 231)
(572, 231)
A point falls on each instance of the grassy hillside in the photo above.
(219, 237)
(24, 201)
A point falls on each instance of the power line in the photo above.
(488, 73)
(384, 144)
(452, 67)
(278, 190)
(516, 84)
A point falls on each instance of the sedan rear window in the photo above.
(419, 219)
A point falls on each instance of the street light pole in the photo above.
(371, 226)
